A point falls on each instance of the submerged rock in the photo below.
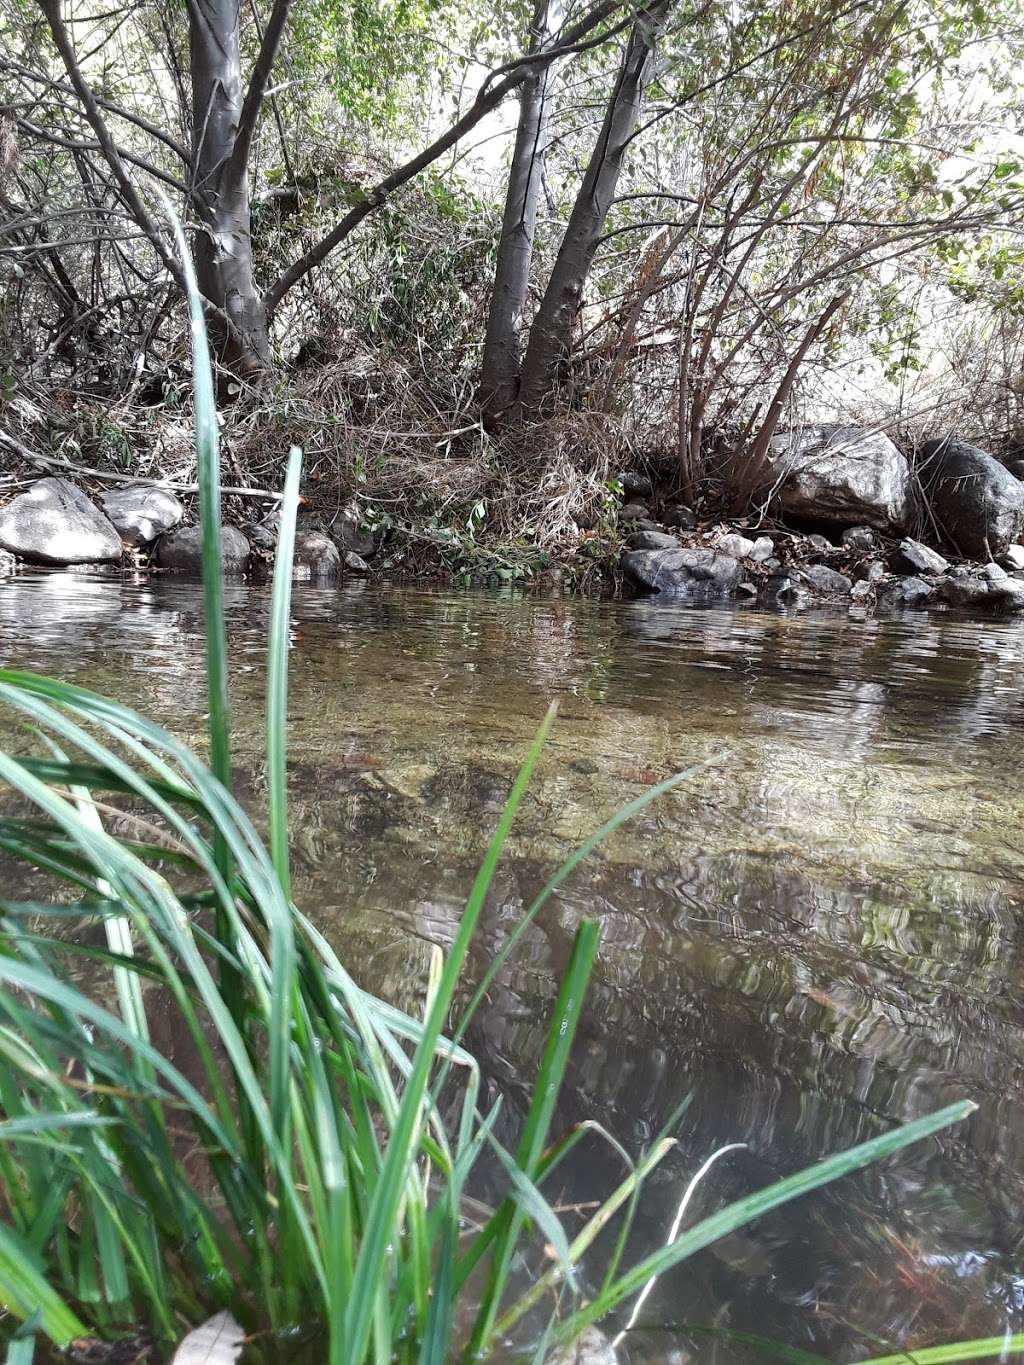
(683, 572)
(977, 502)
(181, 551)
(842, 474)
(55, 523)
(914, 558)
(141, 514)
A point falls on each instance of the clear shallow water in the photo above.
(816, 937)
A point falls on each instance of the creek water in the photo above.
(815, 937)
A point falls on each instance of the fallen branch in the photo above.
(55, 462)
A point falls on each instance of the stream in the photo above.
(815, 937)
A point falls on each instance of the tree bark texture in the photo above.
(551, 332)
(499, 376)
(220, 188)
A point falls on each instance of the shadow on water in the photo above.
(818, 937)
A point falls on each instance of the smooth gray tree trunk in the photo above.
(499, 374)
(220, 188)
(551, 332)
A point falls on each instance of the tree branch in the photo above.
(486, 101)
(261, 70)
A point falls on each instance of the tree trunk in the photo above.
(499, 376)
(220, 189)
(551, 333)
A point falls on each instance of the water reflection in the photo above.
(818, 936)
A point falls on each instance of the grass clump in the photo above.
(201, 1110)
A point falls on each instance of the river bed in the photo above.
(814, 938)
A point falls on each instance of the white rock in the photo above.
(142, 514)
(841, 474)
(55, 523)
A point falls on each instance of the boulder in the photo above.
(828, 582)
(973, 591)
(914, 558)
(736, 545)
(635, 485)
(651, 540)
(859, 538)
(682, 518)
(181, 550)
(683, 572)
(55, 523)
(841, 474)
(1012, 558)
(978, 503)
(141, 514)
(906, 592)
(764, 549)
(349, 533)
(316, 556)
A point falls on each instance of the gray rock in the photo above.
(635, 485)
(862, 590)
(774, 564)
(819, 544)
(652, 540)
(827, 581)
(8, 563)
(764, 549)
(633, 511)
(859, 538)
(977, 502)
(316, 556)
(181, 550)
(841, 474)
(914, 558)
(906, 592)
(682, 518)
(1012, 558)
(141, 514)
(975, 591)
(734, 544)
(55, 523)
(876, 571)
(683, 572)
(350, 534)
(355, 563)
(747, 590)
(645, 524)
(993, 572)
(260, 535)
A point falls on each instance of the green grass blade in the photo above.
(981, 1348)
(561, 1033)
(278, 649)
(754, 1205)
(24, 1291)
